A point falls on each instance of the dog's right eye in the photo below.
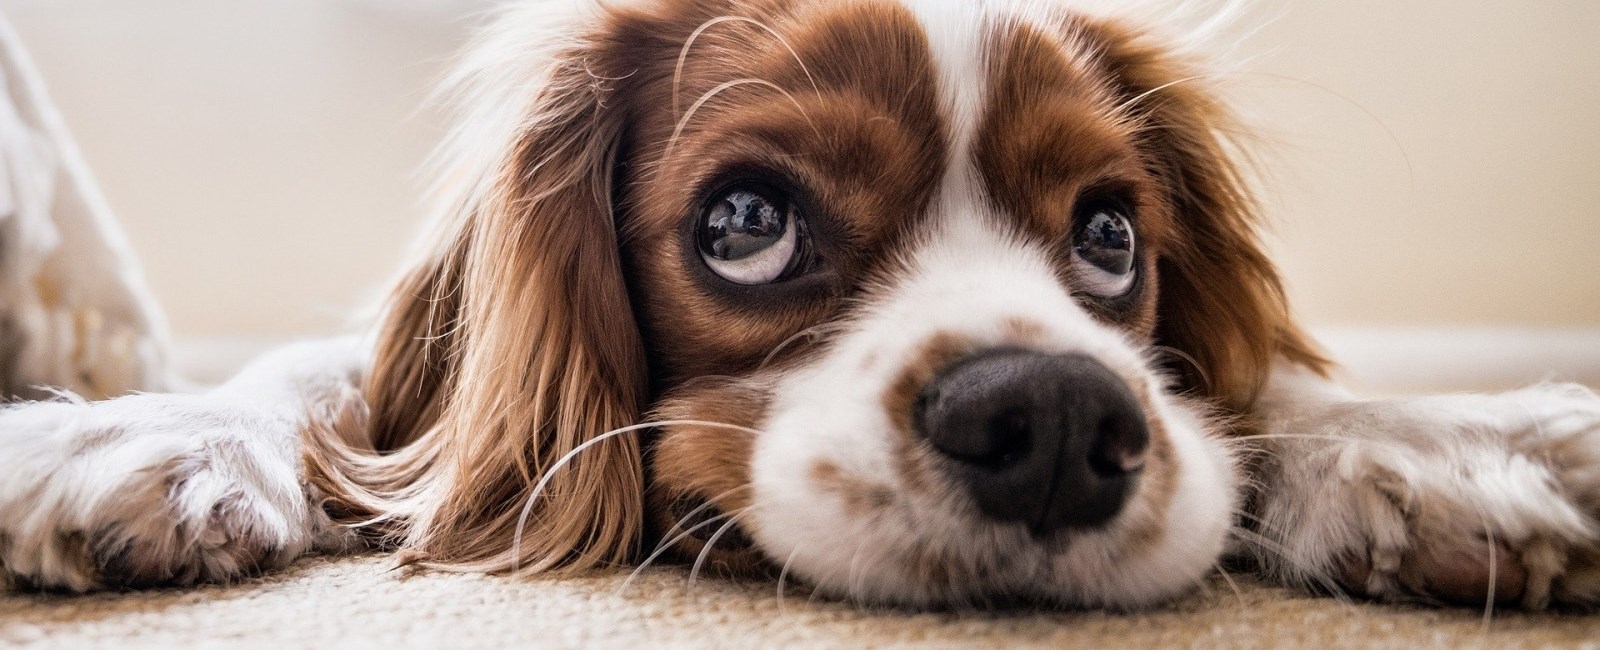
(749, 233)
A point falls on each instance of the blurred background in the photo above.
(1432, 167)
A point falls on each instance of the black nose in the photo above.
(1051, 441)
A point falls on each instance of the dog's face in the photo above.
(920, 270)
(901, 284)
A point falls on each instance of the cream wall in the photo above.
(1435, 161)
(1430, 162)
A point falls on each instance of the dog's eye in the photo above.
(750, 234)
(1102, 250)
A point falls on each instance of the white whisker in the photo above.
(1122, 108)
(709, 503)
(1237, 594)
(538, 488)
(1494, 568)
(783, 577)
(663, 548)
(683, 53)
(807, 332)
(694, 573)
(1261, 542)
(677, 131)
(1200, 370)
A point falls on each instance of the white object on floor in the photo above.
(74, 308)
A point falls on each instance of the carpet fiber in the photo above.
(360, 603)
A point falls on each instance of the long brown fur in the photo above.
(509, 348)
(1221, 300)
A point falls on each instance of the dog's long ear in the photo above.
(513, 344)
(1221, 301)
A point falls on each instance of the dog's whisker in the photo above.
(814, 330)
(1405, 156)
(1261, 542)
(709, 503)
(677, 131)
(1122, 109)
(699, 562)
(663, 548)
(550, 472)
(783, 578)
(703, 379)
(1494, 570)
(688, 43)
(1259, 522)
(851, 575)
(1538, 427)
(1199, 370)
(1234, 586)
(1313, 436)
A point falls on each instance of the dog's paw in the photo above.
(146, 490)
(1455, 498)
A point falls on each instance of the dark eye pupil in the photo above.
(1106, 241)
(742, 223)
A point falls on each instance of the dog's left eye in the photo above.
(749, 233)
(1102, 250)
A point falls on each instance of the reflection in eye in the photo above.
(749, 235)
(1103, 251)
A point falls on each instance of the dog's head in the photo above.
(924, 302)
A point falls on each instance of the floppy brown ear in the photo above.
(1221, 301)
(508, 348)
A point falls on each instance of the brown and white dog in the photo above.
(926, 302)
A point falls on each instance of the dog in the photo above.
(921, 302)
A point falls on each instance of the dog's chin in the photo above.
(925, 546)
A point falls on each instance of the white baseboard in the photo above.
(1457, 359)
(1383, 360)
(212, 359)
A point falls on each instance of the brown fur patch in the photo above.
(860, 497)
(699, 462)
(912, 458)
(826, 136)
(1023, 332)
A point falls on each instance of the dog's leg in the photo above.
(1444, 497)
(153, 489)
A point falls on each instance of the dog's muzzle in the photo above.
(1051, 441)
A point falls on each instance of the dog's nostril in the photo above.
(1120, 447)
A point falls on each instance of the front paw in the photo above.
(1455, 498)
(144, 490)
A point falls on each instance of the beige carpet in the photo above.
(360, 603)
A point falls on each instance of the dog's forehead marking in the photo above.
(956, 30)
(957, 33)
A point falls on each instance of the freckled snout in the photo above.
(1049, 440)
